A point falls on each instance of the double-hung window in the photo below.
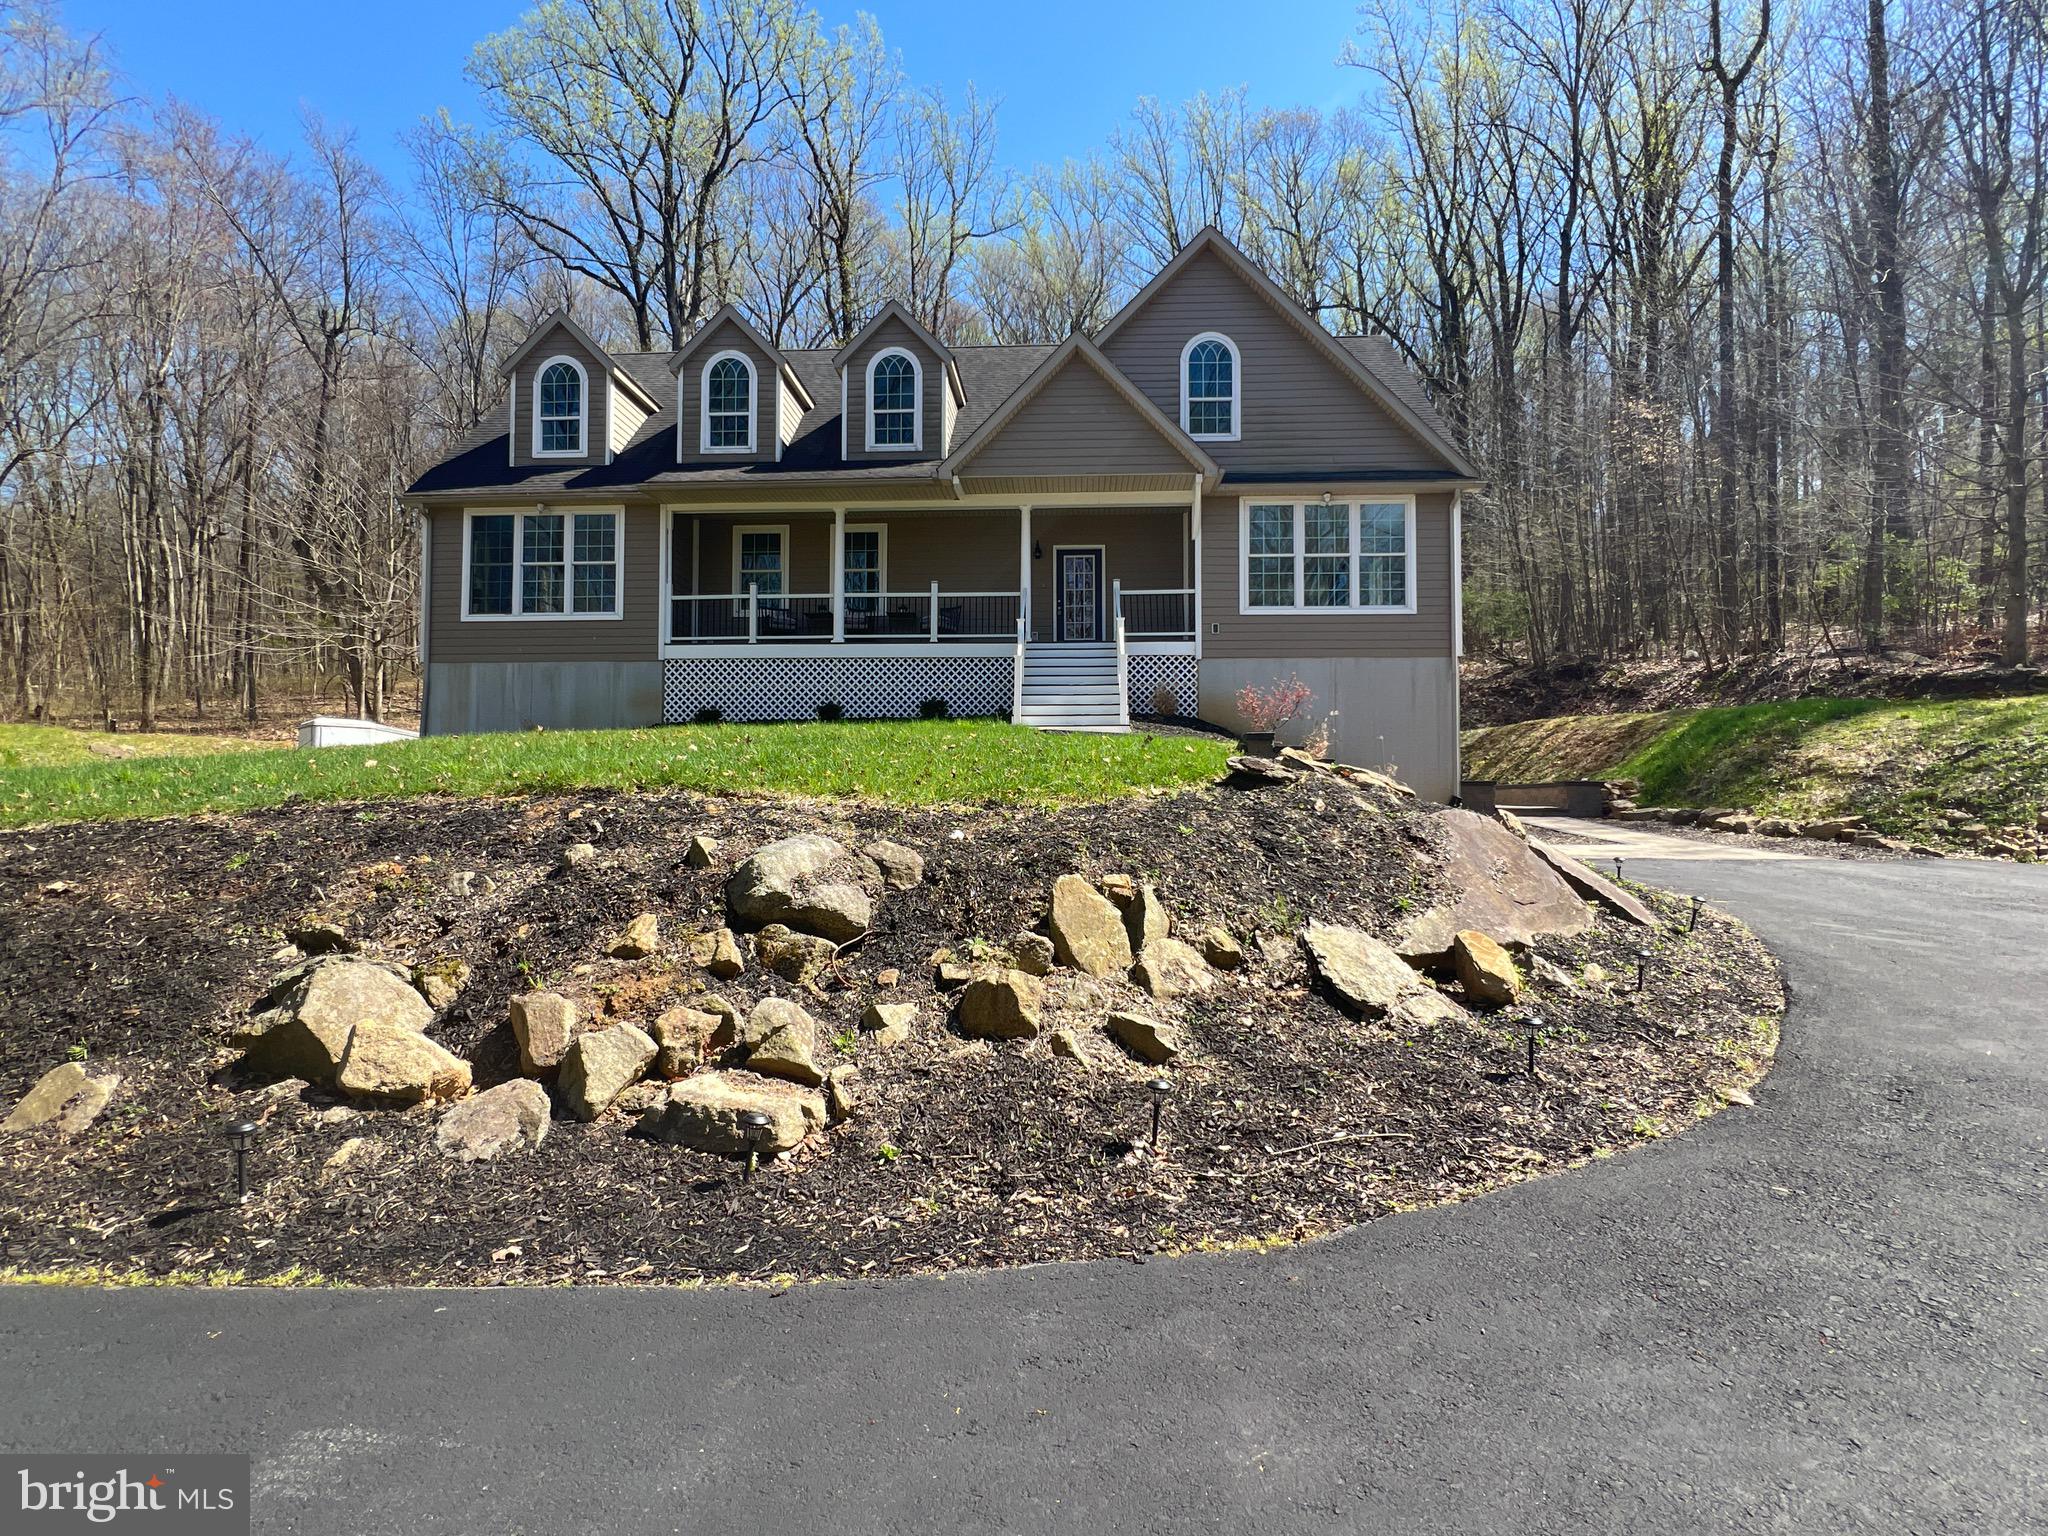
(729, 405)
(1210, 402)
(759, 559)
(1319, 556)
(865, 563)
(893, 404)
(541, 565)
(561, 408)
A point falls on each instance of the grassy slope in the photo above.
(49, 746)
(1900, 764)
(915, 763)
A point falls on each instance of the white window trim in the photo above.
(704, 403)
(582, 410)
(1236, 389)
(781, 532)
(1354, 501)
(916, 443)
(518, 615)
(881, 531)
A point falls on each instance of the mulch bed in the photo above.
(141, 941)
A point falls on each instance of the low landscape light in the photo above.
(1532, 1026)
(1642, 968)
(754, 1124)
(1693, 921)
(1617, 869)
(241, 1135)
(1159, 1088)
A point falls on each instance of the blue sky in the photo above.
(378, 65)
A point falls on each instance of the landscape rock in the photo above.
(67, 1097)
(1485, 970)
(1729, 821)
(1256, 772)
(395, 1063)
(574, 857)
(599, 1066)
(303, 1023)
(1067, 1043)
(1144, 1037)
(1597, 888)
(1501, 885)
(703, 1112)
(1169, 968)
(1145, 918)
(1221, 949)
(320, 937)
(1088, 932)
(718, 952)
(702, 852)
(545, 1024)
(902, 868)
(1366, 974)
(779, 1039)
(1001, 1005)
(635, 1099)
(805, 882)
(1032, 953)
(440, 984)
(841, 1096)
(795, 957)
(887, 1024)
(950, 975)
(1891, 844)
(1380, 781)
(1777, 826)
(686, 1037)
(512, 1117)
(1429, 1009)
(641, 939)
(1515, 824)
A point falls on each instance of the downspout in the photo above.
(1457, 640)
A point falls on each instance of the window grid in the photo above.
(892, 408)
(1211, 390)
(729, 405)
(561, 409)
(1307, 556)
(542, 565)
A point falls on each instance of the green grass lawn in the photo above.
(1898, 764)
(49, 746)
(906, 763)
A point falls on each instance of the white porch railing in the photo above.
(1123, 656)
(935, 615)
(1157, 613)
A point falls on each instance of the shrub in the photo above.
(829, 711)
(1165, 701)
(934, 709)
(710, 714)
(1267, 709)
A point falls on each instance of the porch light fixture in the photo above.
(1037, 550)
(241, 1135)
(1532, 1026)
(1326, 498)
(1159, 1088)
(754, 1125)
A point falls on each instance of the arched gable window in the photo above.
(729, 404)
(561, 411)
(1210, 385)
(895, 402)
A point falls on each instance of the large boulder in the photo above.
(1001, 1005)
(1366, 974)
(703, 1112)
(67, 1096)
(396, 1064)
(781, 1040)
(809, 881)
(1169, 968)
(1499, 885)
(301, 1025)
(511, 1117)
(1597, 888)
(600, 1065)
(545, 1024)
(1088, 932)
(1145, 1037)
(1485, 970)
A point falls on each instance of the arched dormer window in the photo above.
(895, 402)
(729, 404)
(561, 408)
(1210, 388)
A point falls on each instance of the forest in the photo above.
(1741, 309)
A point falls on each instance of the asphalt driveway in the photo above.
(1828, 1313)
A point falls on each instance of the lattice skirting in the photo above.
(1150, 673)
(866, 687)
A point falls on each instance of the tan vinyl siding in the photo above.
(948, 414)
(790, 412)
(1144, 549)
(559, 343)
(1227, 633)
(964, 552)
(629, 638)
(1077, 424)
(690, 397)
(893, 334)
(1299, 411)
(626, 416)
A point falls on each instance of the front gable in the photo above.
(727, 337)
(1302, 405)
(559, 341)
(892, 332)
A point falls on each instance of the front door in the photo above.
(1080, 606)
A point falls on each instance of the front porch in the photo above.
(1078, 615)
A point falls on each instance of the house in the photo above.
(1211, 491)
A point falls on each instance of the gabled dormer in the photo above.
(899, 390)
(567, 402)
(737, 398)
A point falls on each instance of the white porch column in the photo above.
(839, 575)
(1195, 521)
(1024, 569)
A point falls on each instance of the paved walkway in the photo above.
(1826, 1314)
(1602, 841)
